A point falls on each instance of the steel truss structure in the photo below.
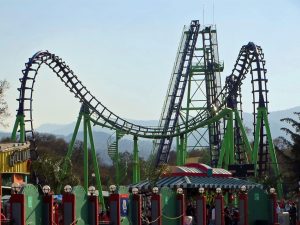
(221, 103)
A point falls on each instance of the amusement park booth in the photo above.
(185, 186)
(14, 165)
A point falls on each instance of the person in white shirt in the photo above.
(213, 216)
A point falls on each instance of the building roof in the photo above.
(196, 182)
(13, 146)
(197, 169)
(195, 175)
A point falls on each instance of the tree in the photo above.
(203, 155)
(48, 169)
(3, 104)
(292, 148)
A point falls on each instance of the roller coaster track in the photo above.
(250, 59)
(177, 85)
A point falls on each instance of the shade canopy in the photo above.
(196, 182)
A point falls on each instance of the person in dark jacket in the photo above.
(293, 212)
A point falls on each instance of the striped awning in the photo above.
(196, 182)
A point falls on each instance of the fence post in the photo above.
(180, 199)
(219, 207)
(136, 207)
(17, 208)
(114, 207)
(156, 211)
(243, 206)
(68, 202)
(48, 204)
(93, 210)
(201, 208)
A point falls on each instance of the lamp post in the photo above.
(219, 207)
(180, 201)
(179, 191)
(67, 189)
(136, 206)
(15, 187)
(94, 206)
(156, 212)
(243, 205)
(69, 205)
(92, 190)
(155, 190)
(46, 189)
(112, 188)
(135, 191)
(201, 206)
(48, 200)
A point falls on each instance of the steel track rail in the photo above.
(99, 113)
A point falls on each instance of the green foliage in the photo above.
(49, 171)
(4, 85)
(151, 172)
(48, 168)
(203, 155)
(289, 154)
(267, 181)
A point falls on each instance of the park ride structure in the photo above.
(221, 113)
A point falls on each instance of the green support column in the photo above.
(222, 151)
(19, 123)
(183, 149)
(180, 154)
(117, 160)
(136, 164)
(230, 138)
(262, 116)
(256, 139)
(178, 149)
(96, 166)
(85, 155)
(227, 146)
(244, 135)
(71, 144)
(226, 156)
(272, 151)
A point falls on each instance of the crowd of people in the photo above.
(289, 207)
(232, 216)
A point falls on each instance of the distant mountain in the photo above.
(125, 144)
(101, 135)
(66, 129)
(4, 134)
(274, 120)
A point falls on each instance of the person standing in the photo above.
(227, 216)
(293, 212)
(213, 216)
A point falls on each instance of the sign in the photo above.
(256, 196)
(18, 157)
(124, 205)
(29, 201)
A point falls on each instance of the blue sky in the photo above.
(123, 51)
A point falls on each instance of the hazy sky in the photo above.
(124, 51)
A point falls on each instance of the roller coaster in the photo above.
(196, 104)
